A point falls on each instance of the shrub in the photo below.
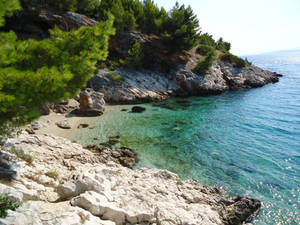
(204, 50)
(204, 65)
(22, 155)
(115, 77)
(223, 45)
(88, 7)
(207, 39)
(52, 174)
(135, 59)
(234, 60)
(6, 204)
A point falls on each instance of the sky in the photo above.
(251, 26)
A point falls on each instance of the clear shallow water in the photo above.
(247, 142)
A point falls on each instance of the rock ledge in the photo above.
(87, 191)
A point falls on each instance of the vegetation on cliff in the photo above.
(234, 60)
(204, 65)
(33, 72)
(7, 204)
(135, 57)
(87, 7)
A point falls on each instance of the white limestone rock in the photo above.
(109, 191)
(37, 212)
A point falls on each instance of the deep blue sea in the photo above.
(246, 142)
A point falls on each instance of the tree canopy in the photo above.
(7, 7)
(36, 72)
(88, 7)
(180, 27)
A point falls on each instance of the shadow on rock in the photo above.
(6, 172)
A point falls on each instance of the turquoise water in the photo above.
(247, 142)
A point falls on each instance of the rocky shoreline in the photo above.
(67, 184)
(74, 185)
(148, 86)
(60, 182)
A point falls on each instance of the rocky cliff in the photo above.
(66, 184)
(166, 72)
(169, 73)
(146, 85)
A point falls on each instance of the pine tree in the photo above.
(182, 28)
(7, 7)
(36, 72)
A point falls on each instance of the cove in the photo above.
(246, 142)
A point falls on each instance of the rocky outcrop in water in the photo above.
(170, 73)
(147, 86)
(223, 77)
(66, 184)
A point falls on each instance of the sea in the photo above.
(244, 142)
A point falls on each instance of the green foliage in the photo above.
(151, 17)
(115, 77)
(234, 60)
(7, 7)
(6, 204)
(204, 65)
(134, 14)
(207, 39)
(223, 45)
(88, 7)
(35, 72)
(22, 155)
(52, 174)
(124, 17)
(181, 29)
(204, 49)
(135, 59)
(178, 27)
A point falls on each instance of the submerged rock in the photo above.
(123, 156)
(83, 125)
(138, 109)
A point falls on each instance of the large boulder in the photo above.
(63, 124)
(91, 103)
(65, 106)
